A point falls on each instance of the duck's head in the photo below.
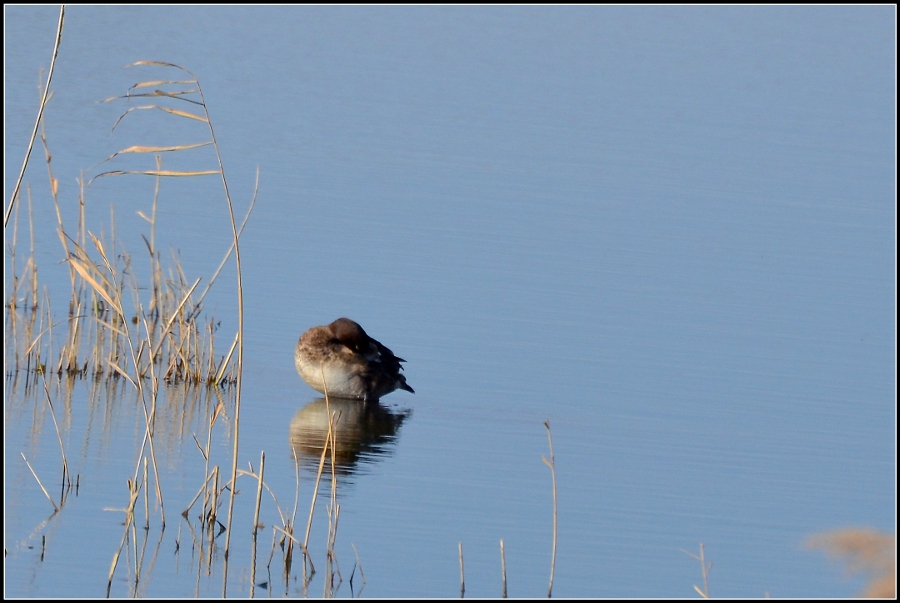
(350, 334)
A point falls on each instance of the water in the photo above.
(668, 231)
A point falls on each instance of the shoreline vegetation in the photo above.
(122, 333)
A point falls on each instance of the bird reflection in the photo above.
(363, 432)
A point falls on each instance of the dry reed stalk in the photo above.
(54, 190)
(202, 491)
(215, 275)
(68, 356)
(361, 572)
(552, 464)
(194, 81)
(146, 481)
(226, 362)
(134, 536)
(149, 419)
(34, 277)
(704, 570)
(254, 475)
(293, 520)
(37, 122)
(240, 299)
(11, 245)
(259, 489)
(62, 448)
(207, 452)
(330, 558)
(19, 335)
(40, 365)
(175, 314)
(98, 345)
(155, 268)
(11, 343)
(334, 510)
(134, 491)
(166, 333)
(38, 480)
(212, 511)
(49, 313)
(290, 536)
(503, 568)
(110, 287)
(312, 505)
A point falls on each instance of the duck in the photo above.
(352, 364)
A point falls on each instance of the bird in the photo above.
(340, 359)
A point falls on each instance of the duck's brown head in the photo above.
(350, 334)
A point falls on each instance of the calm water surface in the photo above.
(668, 231)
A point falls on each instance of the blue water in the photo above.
(671, 232)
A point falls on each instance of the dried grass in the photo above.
(866, 551)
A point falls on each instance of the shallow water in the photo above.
(668, 231)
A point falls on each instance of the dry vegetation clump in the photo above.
(867, 551)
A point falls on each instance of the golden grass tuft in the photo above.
(863, 550)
